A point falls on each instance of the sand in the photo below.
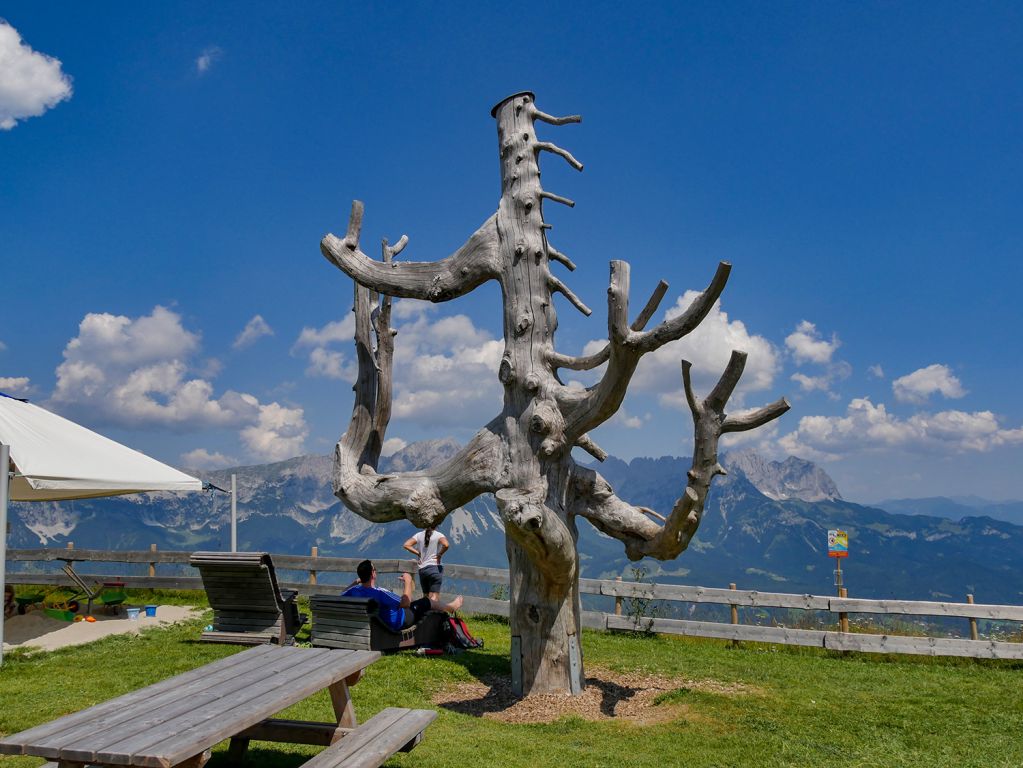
(37, 631)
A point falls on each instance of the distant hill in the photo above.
(956, 508)
(765, 528)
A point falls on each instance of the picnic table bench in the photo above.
(176, 722)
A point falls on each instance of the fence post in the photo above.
(843, 617)
(974, 635)
(70, 545)
(735, 614)
(312, 572)
(618, 600)
(152, 564)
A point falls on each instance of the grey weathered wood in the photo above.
(928, 608)
(372, 743)
(718, 630)
(704, 594)
(922, 646)
(97, 555)
(109, 713)
(295, 732)
(473, 604)
(243, 591)
(523, 456)
(145, 709)
(476, 573)
(131, 582)
(168, 713)
(173, 740)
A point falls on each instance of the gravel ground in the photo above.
(608, 696)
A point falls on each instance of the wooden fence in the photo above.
(617, 589)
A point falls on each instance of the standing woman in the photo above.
(429, 547)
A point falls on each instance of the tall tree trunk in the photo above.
(541, 536)
(524, 455)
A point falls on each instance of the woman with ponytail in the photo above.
(429, 547)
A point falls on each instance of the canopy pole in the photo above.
(234, 513)
(5, 492)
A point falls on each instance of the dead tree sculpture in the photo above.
(524, 455)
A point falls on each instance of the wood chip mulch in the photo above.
(609, 695)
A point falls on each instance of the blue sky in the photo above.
(168, 171)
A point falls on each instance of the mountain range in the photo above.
(765, 527)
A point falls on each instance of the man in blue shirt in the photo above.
(396, 612)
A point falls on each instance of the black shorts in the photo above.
(416, 611)
(431, 578)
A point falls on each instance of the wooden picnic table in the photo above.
(177, 721)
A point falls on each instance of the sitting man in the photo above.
(397, 613)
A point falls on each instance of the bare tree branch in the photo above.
(627, 346)
(597, 503)
(559, 287)
(587, 444)
(423, 497)
(651, 306)
(589, 362)
(560, 257)
(546, 146)
(557, 199)
(756, 419)
(536, 114)
(473, 264)
(677, 327)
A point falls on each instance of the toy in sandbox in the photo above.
(64, 602)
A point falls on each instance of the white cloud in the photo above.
(279, 434)
(867, 428)
(708, 348)
(14, 385)
(136, 373)
(254, 330)
(917, 386)
(876, 371)
(30, 82)
(391, 446)
(834, 372)
(337, 331)
(806, 344)
(445, 368)
(206, 59)
(120, 341)
(623, 418)
(810, 383)
(200, 458)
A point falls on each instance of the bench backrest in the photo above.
(242, 589)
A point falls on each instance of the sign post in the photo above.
(838, 547)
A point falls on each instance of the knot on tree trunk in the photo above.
(539, 530)
(424, 507)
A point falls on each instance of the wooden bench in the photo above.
(249, 608)
(371, 744)
(352, 623)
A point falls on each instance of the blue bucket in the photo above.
(151, 610)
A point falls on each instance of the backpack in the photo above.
(459, 635)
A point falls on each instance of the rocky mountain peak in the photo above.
(793, 478)
(420, 455)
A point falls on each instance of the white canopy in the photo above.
(55, 459)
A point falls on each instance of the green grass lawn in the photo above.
(803, 707)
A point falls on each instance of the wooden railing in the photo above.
(617, 589)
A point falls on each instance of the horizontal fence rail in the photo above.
(613, 588)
